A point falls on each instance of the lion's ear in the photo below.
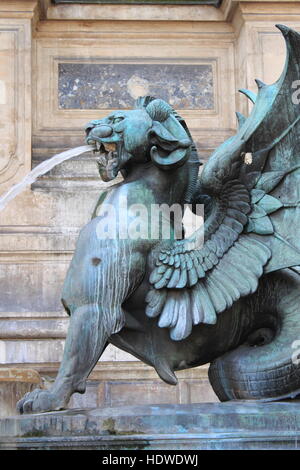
(169, 149)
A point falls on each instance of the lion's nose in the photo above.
(102, 131)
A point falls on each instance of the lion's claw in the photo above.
(39, 401)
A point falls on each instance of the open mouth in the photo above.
(107, 152)
(105, 147)
(107, 161)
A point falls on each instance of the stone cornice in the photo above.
(215, 3)
(165, 10)
(144, 10)
(18, 8)
(228, 7)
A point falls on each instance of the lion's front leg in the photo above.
(85, 342)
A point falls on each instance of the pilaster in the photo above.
(17, 19)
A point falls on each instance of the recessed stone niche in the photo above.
(110, 86)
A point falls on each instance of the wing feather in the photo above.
(236, 275)
(190, 283)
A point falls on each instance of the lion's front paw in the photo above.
(39, 401)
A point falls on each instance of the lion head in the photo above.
(151, 131)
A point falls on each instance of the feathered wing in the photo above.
(245, 233)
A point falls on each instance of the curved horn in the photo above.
(174, 159)
(159, 110)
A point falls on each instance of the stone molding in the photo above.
(178, 13)
(40, 227)
(14, 383)
(19, 375)
(215, 3)
(18, 8)
(108, 370)
(204, 426)
(17, 20)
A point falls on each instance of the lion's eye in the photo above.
(117, 119)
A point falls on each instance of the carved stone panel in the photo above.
(15, 103)
(7, 79)
(76, 78)
(108, 86)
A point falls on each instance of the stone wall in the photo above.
(62, 65)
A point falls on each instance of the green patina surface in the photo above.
(227, 295)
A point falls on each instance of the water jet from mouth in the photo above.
(40, 170)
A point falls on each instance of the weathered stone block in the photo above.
(218, 426)
(14, 383)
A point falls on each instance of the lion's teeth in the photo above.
(110, 147)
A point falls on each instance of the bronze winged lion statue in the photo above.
(177, 303)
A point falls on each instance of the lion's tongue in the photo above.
(102, 159)
(105, 158)
(110, 147)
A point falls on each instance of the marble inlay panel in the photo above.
(110, 86)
